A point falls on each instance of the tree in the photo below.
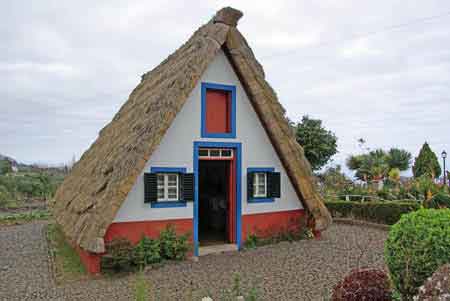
(5, 167)
(399, 158)
(318, 143)
(376, 164)
(426, 163)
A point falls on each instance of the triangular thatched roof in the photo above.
(90, 196)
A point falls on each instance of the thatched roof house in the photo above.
(211, 97)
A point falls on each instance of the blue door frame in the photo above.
(237, 147)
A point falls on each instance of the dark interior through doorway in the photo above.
(213, 201)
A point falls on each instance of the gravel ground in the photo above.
(304, 270)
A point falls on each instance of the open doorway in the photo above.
(214, 177)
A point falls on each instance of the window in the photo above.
(167, 186)
(215, 153)
(263, 185)
(260, 185)
(218, 118)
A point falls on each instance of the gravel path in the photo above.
(304, 270)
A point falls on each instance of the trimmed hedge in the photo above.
(388, 212)
(416, 247)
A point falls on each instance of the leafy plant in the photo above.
(426, 163)
(146, 252)
(318, 143)
(252, 241)
(172, 245)
(363, 284)
(416, 246)
(438, 201)
(119, 256)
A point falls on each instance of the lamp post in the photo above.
(444, 155)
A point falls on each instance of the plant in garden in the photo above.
(146, 252)
(363, 284)
(416, 246)
(172, 245)
(120, 253)
(438, 201)
(252, 241)
(318, 143)
(426, 163)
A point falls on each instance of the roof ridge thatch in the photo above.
(91, 195)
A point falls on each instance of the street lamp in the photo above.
(444, 155)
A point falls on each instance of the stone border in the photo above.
(355, 222)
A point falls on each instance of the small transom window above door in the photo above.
(215, 153)
(218, 111)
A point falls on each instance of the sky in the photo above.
(378, 70)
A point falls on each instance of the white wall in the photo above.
(176, 150)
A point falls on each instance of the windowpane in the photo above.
(160, 180)
(172, 193)
(261, 179)
(214, 153)
(260, 185)
(203, 153)
(226, 153)
(172, 180)
(160, 193)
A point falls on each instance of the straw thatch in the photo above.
(90, 196)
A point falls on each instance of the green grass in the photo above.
(67, 263)
(20, 218)
(141, 288)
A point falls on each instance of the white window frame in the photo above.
(256, 191)
(166, 187)
(221, 153)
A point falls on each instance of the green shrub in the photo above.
(416, 246)
(119, 256)
(252, 241)
(4, 196)
(172, 245)
(146, 252)
(388, 212)
(438, 201)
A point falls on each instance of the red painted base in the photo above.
(132, 231)
(262, 224)
(91, 261)
(272, 223)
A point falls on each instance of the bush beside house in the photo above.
(123, 256)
